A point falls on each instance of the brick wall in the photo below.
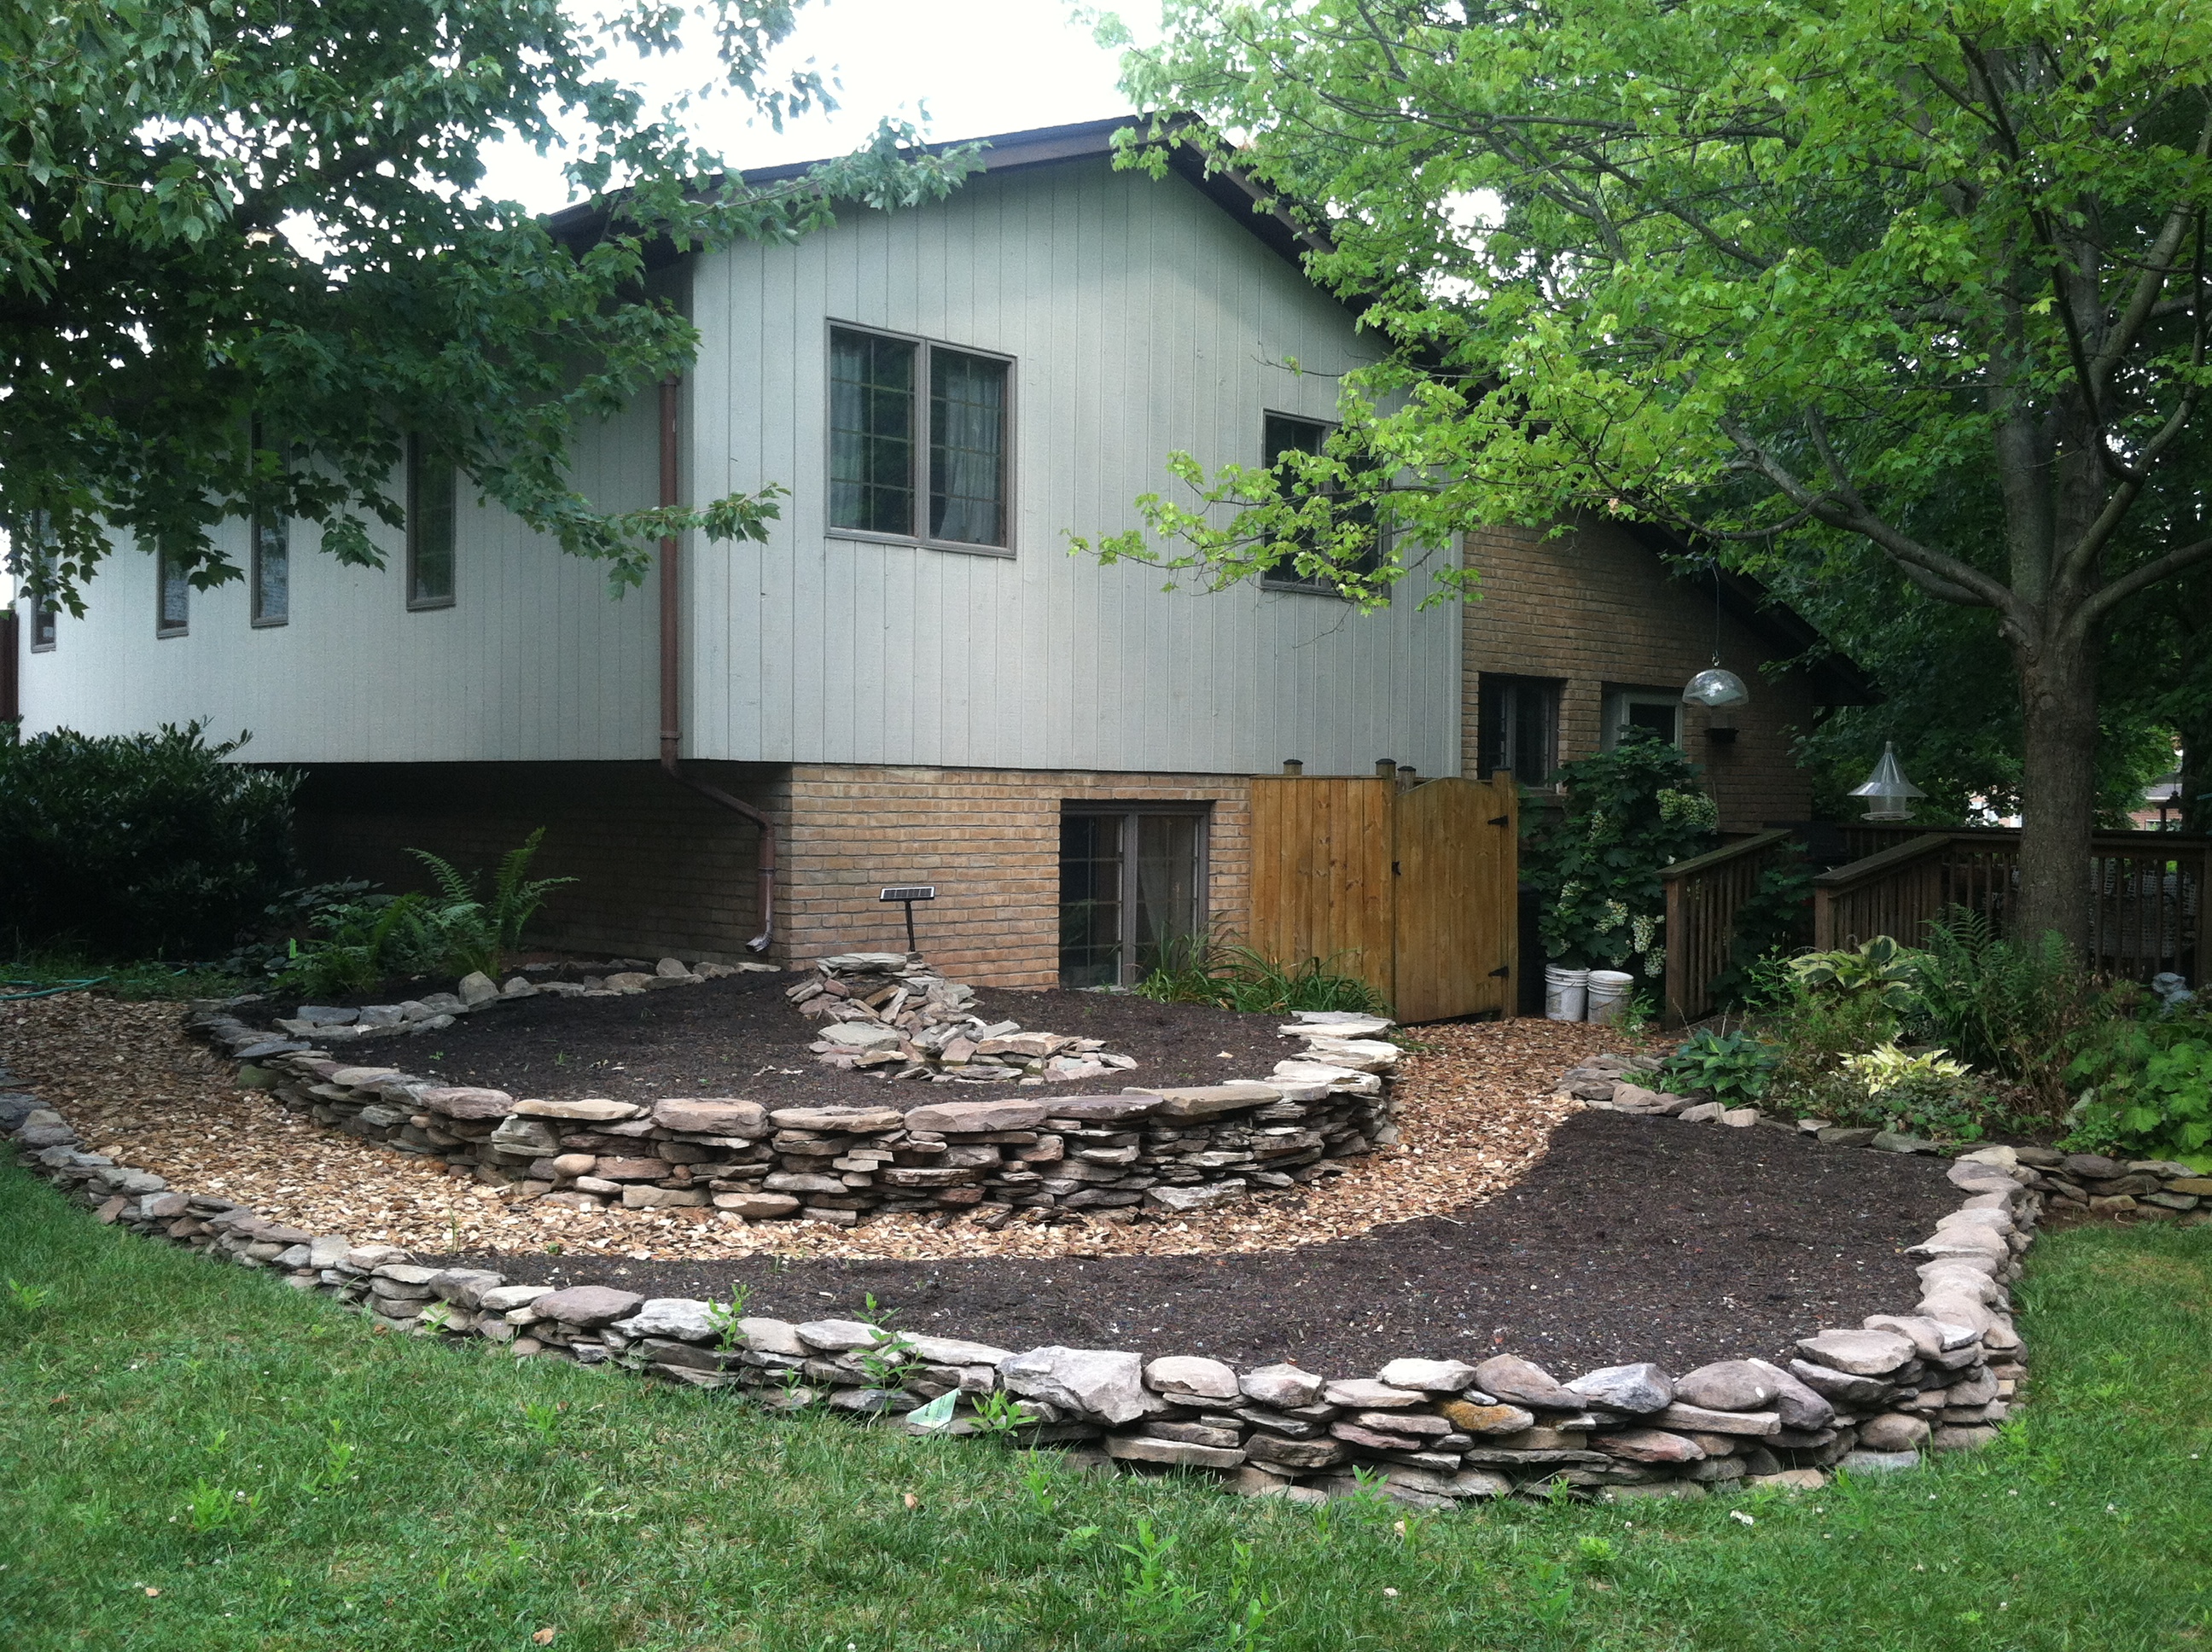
(1597, 608)
(658, 868)
(989, 840)
(661, 869)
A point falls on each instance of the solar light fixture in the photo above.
(1889, 795)
(1716, 689)
(907, 894)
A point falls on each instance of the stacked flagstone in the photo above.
(1166, 1150)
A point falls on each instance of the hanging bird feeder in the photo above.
(1889, 795)
(1716, 689)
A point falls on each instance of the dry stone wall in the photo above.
(998, 1160)
(1940, 1374)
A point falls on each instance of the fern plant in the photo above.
(474, 935)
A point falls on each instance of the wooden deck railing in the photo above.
(1704, 895)
(2146, 918)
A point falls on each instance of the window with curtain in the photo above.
(174, 592)
(1283, 435)
(1132, 891)
(883, 428)
(431, 514)
(871, 432)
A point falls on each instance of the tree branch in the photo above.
(2109, 597)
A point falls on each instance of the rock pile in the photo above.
(890, 1012)
(331, 1024)
(726, 1159)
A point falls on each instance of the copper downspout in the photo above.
(671, 681)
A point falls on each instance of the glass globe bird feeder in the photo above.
(1716, 689)
(1889, 795)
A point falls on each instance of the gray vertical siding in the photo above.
(1142, 319)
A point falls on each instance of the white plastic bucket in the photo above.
(1564, 992)
(1607, 988)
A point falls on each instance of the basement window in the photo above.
(1132, 891)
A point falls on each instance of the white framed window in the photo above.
(921, 442)
(1655, 711)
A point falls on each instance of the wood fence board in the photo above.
(1413, 892)
(1320, 876)
(1457, 876)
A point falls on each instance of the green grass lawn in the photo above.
(192, 1456)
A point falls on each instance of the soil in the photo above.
(1633, 1239)
(738, 1036)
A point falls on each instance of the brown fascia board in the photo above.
(1836, 680)
(1011, 152)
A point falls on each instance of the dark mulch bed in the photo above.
(1634, 1239)
(737, 1036)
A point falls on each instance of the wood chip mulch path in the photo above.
(1475, 1106)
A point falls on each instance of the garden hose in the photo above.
(47, 992)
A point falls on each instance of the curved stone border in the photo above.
(1169, 1149)
(434, 1011)
(1429, 1433)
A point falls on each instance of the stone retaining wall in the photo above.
(734, 1161)
(1940, 1374)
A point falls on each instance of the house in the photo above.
(913, 681)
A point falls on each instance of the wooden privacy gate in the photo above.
(1411, 891)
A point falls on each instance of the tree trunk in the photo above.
(2058, 789)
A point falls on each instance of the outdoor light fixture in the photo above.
(907, 894)
(1889, 795)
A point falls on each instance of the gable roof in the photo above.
(1043, 146)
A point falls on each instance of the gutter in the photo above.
(671, 682)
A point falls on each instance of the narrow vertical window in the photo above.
(45, 617)
(1283, 436)
(43, 623)
(872, 433)
(272, 568)
(173, 586)
(431, 514)
(272, 533)
(966, 449)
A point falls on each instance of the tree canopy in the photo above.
(1765, 271)
(248, 254)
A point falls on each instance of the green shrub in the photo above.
(137, 845)
(2020, 1010)
(375, 938)
(2162, 1109)
(1628, 814)
(1881, 970)
(1732, 1068)
(1919, 1092)
(1201, 971)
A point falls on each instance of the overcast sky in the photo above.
(976, 66)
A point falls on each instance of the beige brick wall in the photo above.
(1597, 608)
(989, 840)
(661, 869)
